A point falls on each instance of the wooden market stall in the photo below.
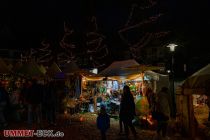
(129, 70)
(196, 84)
(139, 77)
(31, 69)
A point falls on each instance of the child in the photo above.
(103, 122)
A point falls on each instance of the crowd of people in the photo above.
(32, 101)
(35, 101)
(159, 107)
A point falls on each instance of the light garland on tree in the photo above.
(151, 4)
(95, 44)
(63, 58)
(94, 50)
(132, 24)
(147, 21)
(67, 55)
(43, 54)
(67, 33)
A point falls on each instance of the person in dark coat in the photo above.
(163, 111)
(120, 117)
(4, 102)
(50, 102)
(34, 100)
(127, 110)
(103, 122)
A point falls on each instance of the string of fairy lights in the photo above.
(133, 24)
(95, 50)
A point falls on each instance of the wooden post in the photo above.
(143, 85)
(192, 124)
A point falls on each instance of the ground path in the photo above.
(83, 127)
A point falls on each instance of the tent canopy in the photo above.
(31, 69)
(199, 81)
(118, 68)
(126, 70)
(90, 76)
(4, 68)
(71, 68)
(53, 70)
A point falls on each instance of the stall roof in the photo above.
(31, 69)
(71, 68)
(117, 68)
(126, 69)
(3, 67)
(156, 76)
(53, 70)
(198, 81)
(90, 76)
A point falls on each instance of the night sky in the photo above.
(24, 24)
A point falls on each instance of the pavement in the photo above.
(83, 127)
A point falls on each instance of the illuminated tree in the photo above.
(67, 53)
(42, 55)
(141, 28)
(95, 48)
(88, 51)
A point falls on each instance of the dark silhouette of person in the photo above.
(127, 110)
(103, 122)
(34, 100)
(4, 104)
(208, 104)
(163, 110)
(120, 117)
(50, 102)
(150, 97)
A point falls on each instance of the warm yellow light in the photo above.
(144, 118)
(81, 119)
(150, 122)
(65, 112)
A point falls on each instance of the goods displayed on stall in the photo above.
(108, 92)
(193, 100)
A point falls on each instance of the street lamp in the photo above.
(172, 49)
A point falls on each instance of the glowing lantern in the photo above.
(65, 112)
(81, 119)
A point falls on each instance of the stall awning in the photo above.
(199, 80)
(118, 68)
(31, 69)
(126, 70)
(4, 68)
(90, 76)
(53, 70)
(71, 68)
